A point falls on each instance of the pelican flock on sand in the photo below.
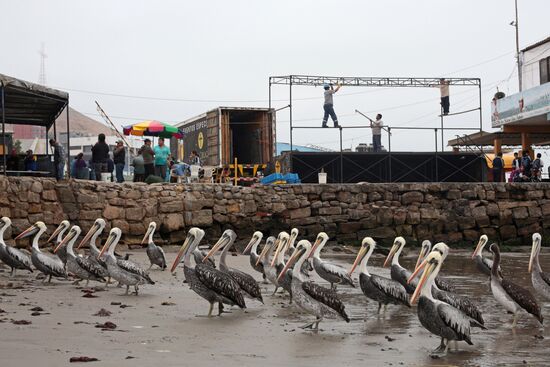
(440, 309)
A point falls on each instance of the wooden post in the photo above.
(497, 144)
(236, 175)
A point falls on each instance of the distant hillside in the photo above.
(81, 125)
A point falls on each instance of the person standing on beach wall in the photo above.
(328, 106)
(444, 90)
(161, 156)
(148, 158)
(119, 158)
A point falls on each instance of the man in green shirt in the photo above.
(161, 157)
(148, 158)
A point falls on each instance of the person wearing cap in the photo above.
(161, 158)
(100, 154)
(148, 158)
(119, 158)
(328, 106)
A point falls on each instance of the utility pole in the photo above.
(516, 25)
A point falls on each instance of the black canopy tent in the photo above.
(26, 103)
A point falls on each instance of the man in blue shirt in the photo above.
(161, 157)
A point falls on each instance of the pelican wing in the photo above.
(91, 267)
(220, 283)
(391, 288)
(54, 265)
(545, 277)
(523, 297)
(132, 267)
(338, 271)
(463, 304)
(20, 257)
(247, 283)
(327, 297)
(456, 320)
(401, 275)
(444, 284)
(156, 256)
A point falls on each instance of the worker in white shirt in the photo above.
(444, 89)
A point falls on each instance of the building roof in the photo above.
(483, 138)
(81, 125)
(284, 147)
(534, 45)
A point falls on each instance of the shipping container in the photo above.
(225, 133)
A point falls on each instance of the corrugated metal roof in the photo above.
(534, 45)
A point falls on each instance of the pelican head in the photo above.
(194, 236)
(5, 222)
(320, 241)
(398, 245)
(269, 243)
(73, 234)
(256, 238)
(535, 249)
(480, 245)
(32, 230)
(282, 242)
(112, 241)
(433, 264)
(367, 244)
(424, 251)
(227, 238)
(62, 227)
(150, 231)
(301, 250)
(97, 227)
(293, 235)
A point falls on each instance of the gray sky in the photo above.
(225, 51)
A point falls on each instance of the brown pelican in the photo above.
(91, 238)
(154, 253)
(483, 264)
(462, 303)
(252, 250)
(11, 256)
(436, 316)
(278, 263)
(270, 270)
(441, 283)
(80, 267)
(540, 279)
(46, 264)
(397, 272)
(59, 233)
(375, 287)
(124, 271)
(209, 283)
(332, 273)
(510, 295)
(247, 283)
(312, 298)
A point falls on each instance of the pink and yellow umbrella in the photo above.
(153, 128)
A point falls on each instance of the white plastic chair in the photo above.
(194, 176)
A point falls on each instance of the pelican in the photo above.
(60, 232)
(91, 238)
(271, 272)
(11, 256)
(483, 264)
(154, 253)
(312, 298)
(375, 287)
(462, 303)
(436, 316)
(441, 283)
(247, 283)
(124, 271)
(510, 295)
(397, 272)
(252, 250)
(80, 267)
(540, 279)
(278, 263)
(334, 274)
(209, 283)
(46, 264)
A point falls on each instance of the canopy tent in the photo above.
(153, 128)
(26, 103)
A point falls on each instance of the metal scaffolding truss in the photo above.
(370, 81)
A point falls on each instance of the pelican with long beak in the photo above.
(483, 264)
(251, 249)
(154, 253)
(438, 317)
(58, 234)
(209, 283)
(247, 283)
(125, 272)
(510, 295)
(11, 256)
(442, 284)
(312, 298)
(375, 287)
(397, 272)
(81, 267)
(270, 269)
(540, 279)
(278, 262)
(48, 265)
(91, 238)
(332, 273)
(462, 303)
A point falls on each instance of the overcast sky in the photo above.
(224, 52)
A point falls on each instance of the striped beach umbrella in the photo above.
(153, 128)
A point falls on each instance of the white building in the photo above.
(535, 61)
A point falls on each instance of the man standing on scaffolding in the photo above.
(329, 104)
(444, 89)
(376, 126)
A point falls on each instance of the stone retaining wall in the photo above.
(452, 212)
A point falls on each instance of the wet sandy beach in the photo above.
(160, 326)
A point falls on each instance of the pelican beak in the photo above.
(479, 246)
(149, 229)
(28, 232)
(533, 254)
(249, 246)
(56, 232)
(429, 269)
(224, 240)
(188, 240)
(295, 256)
(421, 256)
(318, 241)
(390, 255)
(264, 252)
(88, 235)
(417, 270)
(64, 241)
(107, 244)
(282, 244)
(358, 259)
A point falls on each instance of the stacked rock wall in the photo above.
(451, 212)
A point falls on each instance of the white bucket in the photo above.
(322, 177)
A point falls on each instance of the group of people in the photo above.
(523, 169)
(29, 161)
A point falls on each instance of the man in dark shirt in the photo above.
(498, 166)
(148, 158)
(100, 154)
(526, 164)
(119, 157)
(58, 159)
